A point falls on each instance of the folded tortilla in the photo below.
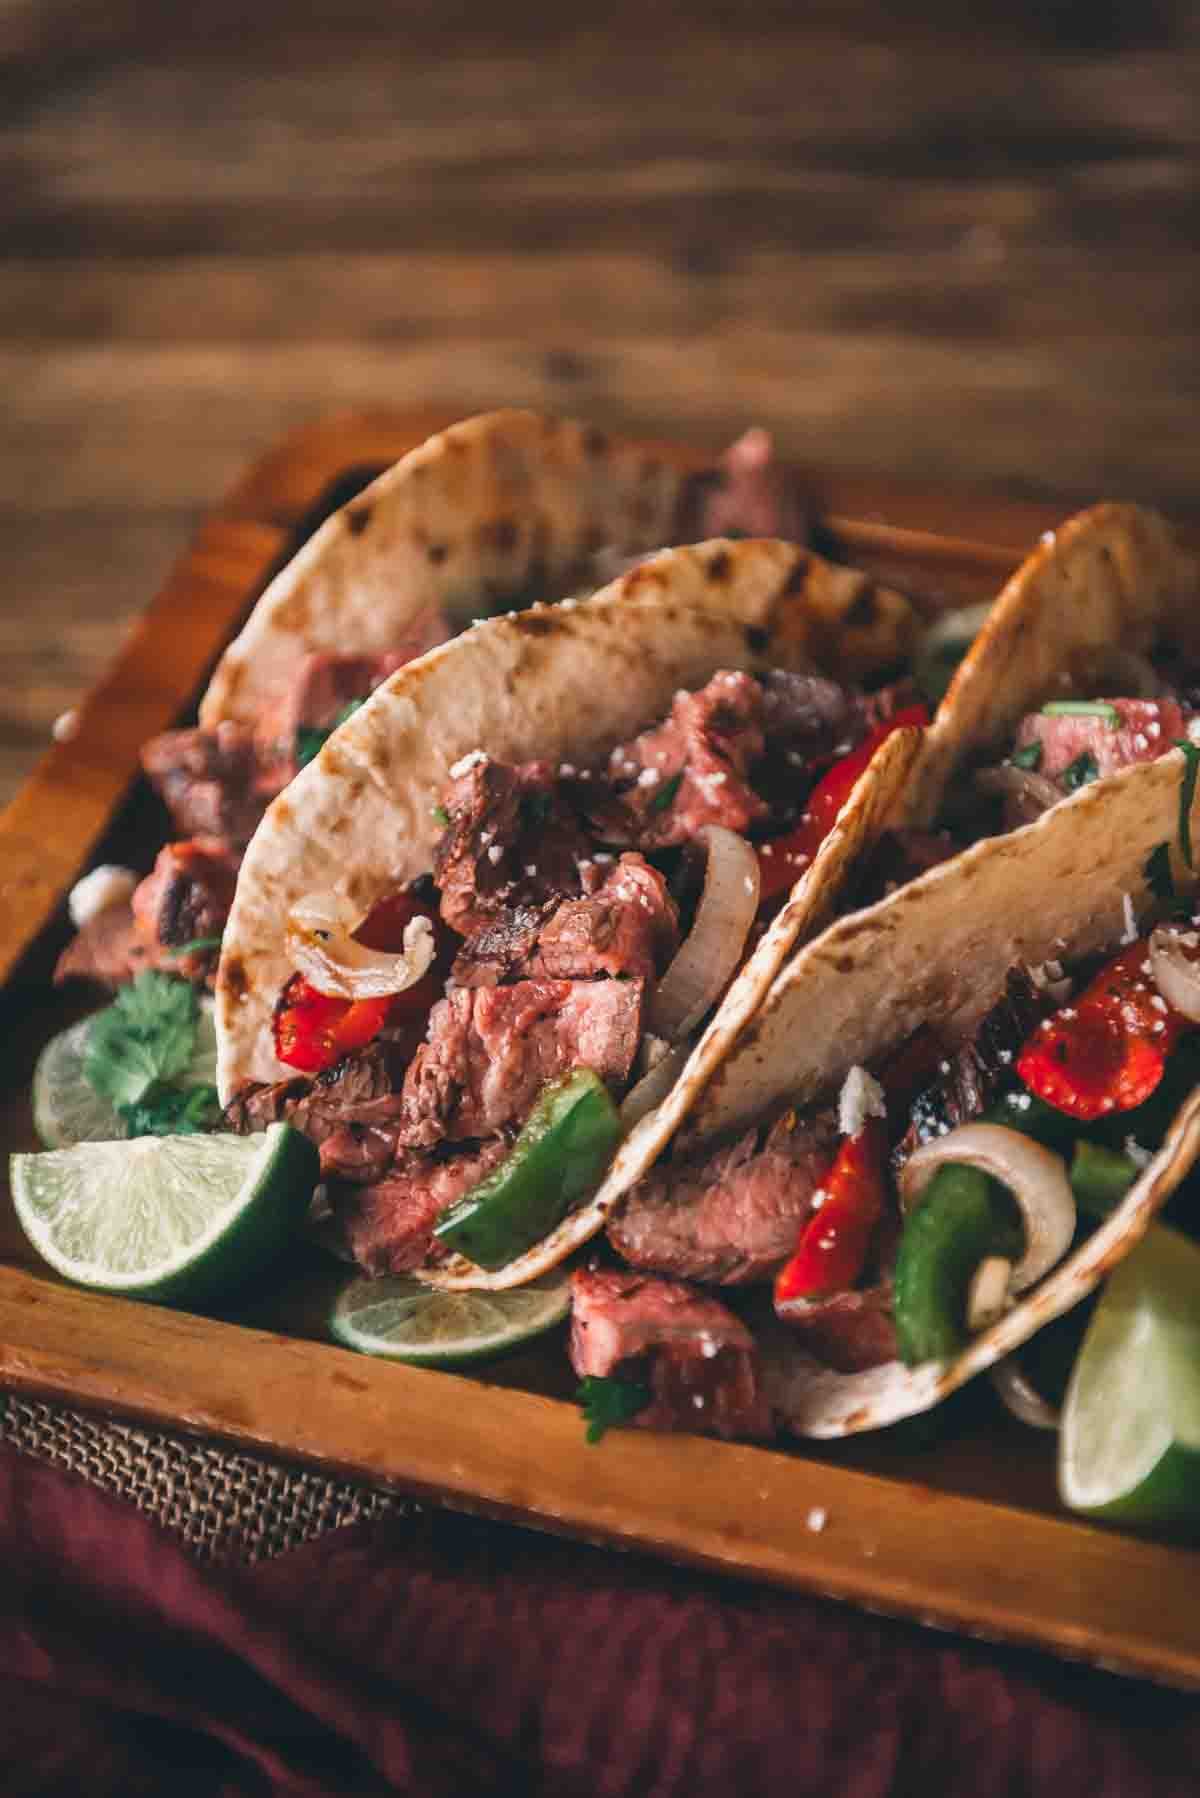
(935, 953)
(500, 505)
(559, 682)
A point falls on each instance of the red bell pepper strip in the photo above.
(1107, 1049)
(833, 1242)
(314, 1030)
(782, 862)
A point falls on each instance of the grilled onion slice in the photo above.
(321, 945)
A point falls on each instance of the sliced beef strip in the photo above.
(323, 686)
(512, 840)
(848, 1331)
(972, 1074)
(697, 1360)
(362, 1092)
(186, 898)
(109, 949)
(212, 781)
(731, 1218)
(490, 1051)
(689, 771)
(1147, 728)
(629, 927)
(388, 1224)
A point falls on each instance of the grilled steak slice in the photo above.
(109, 949)
(691, 770)
(186, 898)
(733, 1217)
(512, 840)
(697, 1360)
(360, 1094)
(324, 685)
(630, 926)
(751, 496)
(491, 1050)
(1146, 729)
(848, 1331)
(972, 1074)
(388, 1225)
(211, 781)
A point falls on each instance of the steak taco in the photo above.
(954, 1112)
(510, 913)
(487, 515)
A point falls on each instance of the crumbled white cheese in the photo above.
(105, 886)
(861, 1097)
(1131, 929)
(65, 726)
(1140, 1157)
(494, 853)
(1047, 537)
(649, 777)
(465, 763)
(818, 1517)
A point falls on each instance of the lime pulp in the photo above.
(400, 1317)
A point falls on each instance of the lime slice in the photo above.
(1130, 1442)
(66, 1109)
(400, 1317)
(166, 1217)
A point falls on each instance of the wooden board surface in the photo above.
(965, 1534)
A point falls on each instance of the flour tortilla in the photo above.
(493, 506)
(565, 681)
(936, 952)
(1114, 575)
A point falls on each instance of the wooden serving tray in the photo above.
(963, 1533)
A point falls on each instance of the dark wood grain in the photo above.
(969, 259)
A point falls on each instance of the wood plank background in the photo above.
(959, 257)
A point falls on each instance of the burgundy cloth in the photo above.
(437, 1655)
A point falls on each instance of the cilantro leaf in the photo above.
(147, 1034)
(440, 815)
(1081, 771)
(197, 946)
(1157, 869)
(310, 740)
(172, 1111)
(1187, 793)
(607, 1403)
(1028, 757)
(665, 794)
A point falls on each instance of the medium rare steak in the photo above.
(108, 949)
(848, 1331)
(359, 1095)
(211, 781)
(971, 1074)
(691, 770)
(1145, 729)
(733, 1217)
(512, 840)
(490, 1051)
(630, 926)
(323, 686)
(388, 1225)
(185, 899)
(697, 1360)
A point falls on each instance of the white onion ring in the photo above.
(1019, 1396)
(653, 1087)
(1035, 1176)
(709, 955)
(987, 1293)
(320, 944)
(1176, 975)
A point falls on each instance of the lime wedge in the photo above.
(166, 1217)
(1130, 1442)
(66, 1109)
(400, 1317)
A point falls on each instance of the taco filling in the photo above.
(898, 1223)
(217, 779)
(469, 1057)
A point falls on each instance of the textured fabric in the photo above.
(223, 1505)
(432, 1654)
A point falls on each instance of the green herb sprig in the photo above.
(664, 795)
(1187, 792)
(146, 1036)
(607, 1403)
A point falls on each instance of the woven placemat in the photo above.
(222, 1505)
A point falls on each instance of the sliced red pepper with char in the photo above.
(783, 861)
(834, 1242)
(314, 1031)
(1107, 1049)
